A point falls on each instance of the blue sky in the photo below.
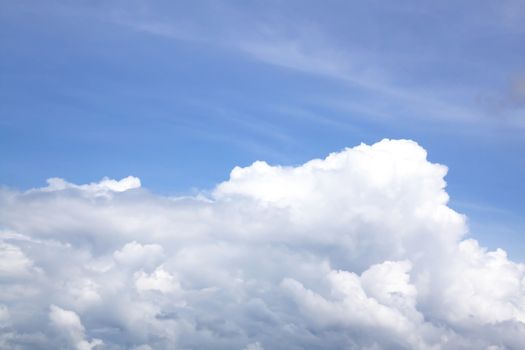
(178, 94)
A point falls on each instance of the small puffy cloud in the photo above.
(382, 299)
(134, 254)
(358, 250)
(484, 286)
(159, 280)
(13, 262)
(69, 324)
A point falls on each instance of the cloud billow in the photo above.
(358, 250)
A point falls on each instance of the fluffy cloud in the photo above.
(68, 323)
(358, 250)
(104, 187)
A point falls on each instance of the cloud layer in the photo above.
(357, 251)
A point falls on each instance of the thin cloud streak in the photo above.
(325, 62)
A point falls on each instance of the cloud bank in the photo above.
(355, 251)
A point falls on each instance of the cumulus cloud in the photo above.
(69, 324)
(358, 250)
(135, 255)
(13, 262)
(160, 280)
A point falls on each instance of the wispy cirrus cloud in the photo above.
(375, 74)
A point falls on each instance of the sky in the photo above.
(179, 94)
(158, 106)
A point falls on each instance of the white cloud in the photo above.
(160, 280)
(13, 262)
(69, 323)
(102, 188)
(137, 255)
(357, 250)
